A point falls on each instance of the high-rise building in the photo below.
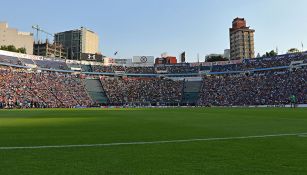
(77, 42)
(11, 36)
(241, 40)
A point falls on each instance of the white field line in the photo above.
(152, 142)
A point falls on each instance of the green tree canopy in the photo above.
(272, 53)
(216, 58)
(22, 50)
(293, 50)
(12, 48)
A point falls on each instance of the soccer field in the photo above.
(153, 141)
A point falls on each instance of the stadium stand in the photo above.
(263, 88)
(143, 91)
(259, 63)
(143, 70)
(22, 89)
(10, 60)
(57, 83)
(27, 61)
(177, 69)
(105, 69)
(49, 64)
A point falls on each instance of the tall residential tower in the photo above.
(241, 40)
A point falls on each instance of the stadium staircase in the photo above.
(96, 91)
(191, 92)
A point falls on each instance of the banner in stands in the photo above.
(143, 59)
(177, 65)
(91, 57)
(217, 63)
(123, 61)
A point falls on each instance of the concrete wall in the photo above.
(10, 36)
(90, 42)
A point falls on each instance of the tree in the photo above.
(293, 50)
(3, 48)
(12, 48)
(272, 53)
(216, 58)
(22, 50)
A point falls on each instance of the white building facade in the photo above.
(11, 36)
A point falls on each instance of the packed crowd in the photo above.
(280, 60)
(10, 60)
(178, 69)
(49, 64)
(276, 61)
(20, 89)
(246, 64)
(172, 69)
(265, 88)
(142, 70)
(107, 69)
(154, 91)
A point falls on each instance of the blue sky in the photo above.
(143, 27)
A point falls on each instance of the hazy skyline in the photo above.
(139, 27)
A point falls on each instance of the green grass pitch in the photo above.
(284, 155)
